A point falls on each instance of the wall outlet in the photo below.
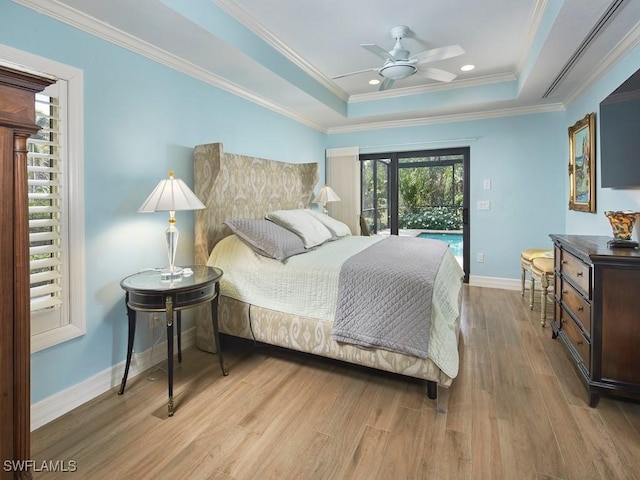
(484, 205)
(480, 258)
(154, 321)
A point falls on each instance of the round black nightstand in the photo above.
(146, 291)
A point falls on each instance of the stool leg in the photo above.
(543, 299)
(532, 292)
(523, 274)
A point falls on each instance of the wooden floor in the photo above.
(516, 411)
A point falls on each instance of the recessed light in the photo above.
(375, 81)
(466, 68)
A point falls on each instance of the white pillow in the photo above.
(310, 230)
(336, 227)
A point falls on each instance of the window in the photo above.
(56, 195)
(47, 208)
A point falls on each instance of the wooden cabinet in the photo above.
(17, 123)
(597, 313)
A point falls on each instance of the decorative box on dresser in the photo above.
(597, 312)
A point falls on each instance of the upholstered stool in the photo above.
(542, 270)
(527, 256)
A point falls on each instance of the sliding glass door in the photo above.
(422, 193)
(376, 194)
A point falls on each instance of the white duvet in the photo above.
(307, 285)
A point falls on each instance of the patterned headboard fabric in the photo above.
(237, 186)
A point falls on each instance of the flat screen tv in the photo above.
(620, 136)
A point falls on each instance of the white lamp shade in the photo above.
(326, 194)
(171, 195)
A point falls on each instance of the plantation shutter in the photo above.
(46, 207)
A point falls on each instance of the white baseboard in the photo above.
(62, 402)
(495, 282)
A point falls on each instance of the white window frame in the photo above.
(74, 325)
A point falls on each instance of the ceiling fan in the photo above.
(398, 64)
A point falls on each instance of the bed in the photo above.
(239, 189)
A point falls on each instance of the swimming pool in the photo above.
(453, 239)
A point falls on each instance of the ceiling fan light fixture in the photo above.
(374, 81)
(400, 64)
(395, 71)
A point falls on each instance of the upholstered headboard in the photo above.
(237, 186)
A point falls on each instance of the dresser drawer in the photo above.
(578, 272)
(576, 303)
(575, 337)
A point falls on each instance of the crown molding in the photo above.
(436, 87)
(532, 27)
(242, 16)
(464, 117)
(86, 23)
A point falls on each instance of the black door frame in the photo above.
(393, 173)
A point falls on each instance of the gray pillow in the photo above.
(266, 238)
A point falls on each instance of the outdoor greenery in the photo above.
(436, 218)
(40, 208)
(429, 196)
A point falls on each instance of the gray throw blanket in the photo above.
(384, 296)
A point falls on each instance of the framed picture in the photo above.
(582, 165)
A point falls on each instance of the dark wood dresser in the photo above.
(17, 123)
(597, 312)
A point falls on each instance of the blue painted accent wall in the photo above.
(141, 120)
(214, 19)
(521, 155)
(526, 159)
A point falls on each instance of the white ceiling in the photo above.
(530, 55)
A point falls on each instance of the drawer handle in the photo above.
(581, 309)
(579, 342)
(579, 274)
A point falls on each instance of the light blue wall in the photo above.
(141, 120)
(523, 156)
(606, 198)
(526, 159)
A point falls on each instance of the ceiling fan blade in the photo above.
(354, 73)
(377, 50)
(436, 74)
(386, 84)
(436, 54)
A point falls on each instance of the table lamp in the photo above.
(326, 194)
(171, 195)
